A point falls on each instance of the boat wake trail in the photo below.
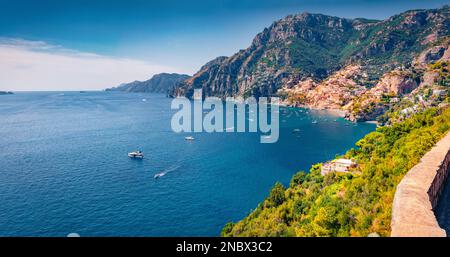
(170, 169)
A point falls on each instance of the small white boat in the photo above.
(314, 122)
(136, 154)
(159, 175)
(189, 138)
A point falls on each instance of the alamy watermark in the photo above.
(213, 115)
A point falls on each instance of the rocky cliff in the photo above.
(327, 62)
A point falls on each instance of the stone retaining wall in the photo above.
(418, 193)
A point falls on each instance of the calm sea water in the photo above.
(64, 165)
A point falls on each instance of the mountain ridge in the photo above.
(158, 83)
(315, 47)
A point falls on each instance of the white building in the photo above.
(394, 100)
(338, 165)
(439, 92)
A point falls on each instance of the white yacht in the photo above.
(136, 154)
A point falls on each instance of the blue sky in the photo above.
(172, 35)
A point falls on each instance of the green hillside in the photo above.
(348, 204)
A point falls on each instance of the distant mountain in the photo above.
(6, 93)
(159, 83)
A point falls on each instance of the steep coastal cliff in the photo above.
(319, 61)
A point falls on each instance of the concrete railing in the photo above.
(418, 193)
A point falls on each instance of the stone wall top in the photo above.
(417, 193)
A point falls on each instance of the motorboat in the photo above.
(189, 138)
(159, 175)
(136, 154)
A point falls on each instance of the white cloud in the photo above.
(36, 65)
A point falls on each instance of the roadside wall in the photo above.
(418, 193)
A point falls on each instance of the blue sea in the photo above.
(64, 166)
